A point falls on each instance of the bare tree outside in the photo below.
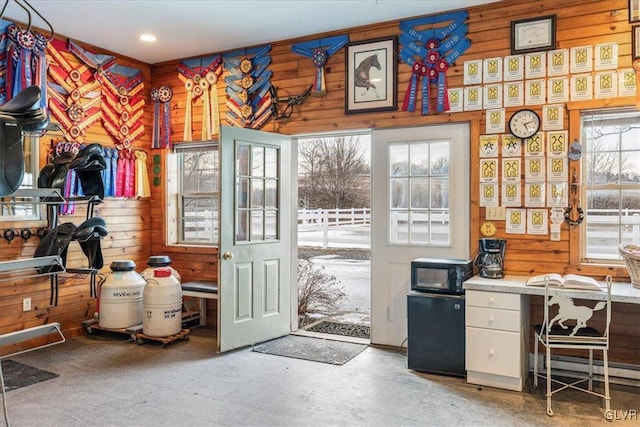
(334, 173)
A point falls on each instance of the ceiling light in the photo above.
(148, 38)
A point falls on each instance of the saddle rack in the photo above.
(289, 100)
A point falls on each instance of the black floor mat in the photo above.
(345, 329)
(314, 349)
(17, 375)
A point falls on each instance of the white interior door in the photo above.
(419, 208)
(255, 237)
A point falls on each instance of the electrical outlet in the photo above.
(496, 213)
(26, 304)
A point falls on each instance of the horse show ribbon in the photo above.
(3, 58)
(439, 48)
(25, 63)
(117, 82)
(247, 83)
(320, 50)
(142, 188)
(200, 76)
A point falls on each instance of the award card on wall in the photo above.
(511, 146)
(516, 221)
(557, 169)
(492, 70)
(606, 57)
(472, 72)
(581, 87)
(627, 82)
(511, 194)
(606, 84)
(557, 143)
(536, 65)
(488, 195)
(581, 59)
(558, 62)
(511, 169)
(537, 221)
(513, 68)
(535, 92)
(553, 117)
(489, 170)
(494, 120)
(514, 94)
(534, 194)
(557, 194)
(455, 100)
(492, 96)
(472, 98)
(558, 89)
(534, 169)
(534, 146)
(489, 145)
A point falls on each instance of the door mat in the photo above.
(17, 375)
(345, 329)
(314, 349)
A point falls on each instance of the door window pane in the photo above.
(419, 194)
(257, 206)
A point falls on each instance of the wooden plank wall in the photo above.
(128, 222)
(579, 23)
(137, 227)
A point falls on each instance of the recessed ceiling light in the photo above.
(148, 38)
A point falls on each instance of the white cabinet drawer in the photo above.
(491, 318)
(493, 300)
(493, 352)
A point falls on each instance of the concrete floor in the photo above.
(108, 380)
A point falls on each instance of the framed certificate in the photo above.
(634, 11)
(635, 46)
(533, 35)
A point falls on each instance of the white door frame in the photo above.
(390, 263)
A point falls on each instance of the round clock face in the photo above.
(524, 123)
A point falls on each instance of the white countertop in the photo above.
(620, 292)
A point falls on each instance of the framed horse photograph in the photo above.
(371, 73)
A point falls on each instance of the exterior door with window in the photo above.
(419, 208)
(255, 238)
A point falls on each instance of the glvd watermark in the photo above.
(621, 415)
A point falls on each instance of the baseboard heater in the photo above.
(575, 367)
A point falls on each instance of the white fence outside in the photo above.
(347, 228)
(351, 227)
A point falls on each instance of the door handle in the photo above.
(227, 255)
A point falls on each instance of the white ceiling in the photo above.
(190, 28)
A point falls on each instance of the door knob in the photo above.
(227, 255)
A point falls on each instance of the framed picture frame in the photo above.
(634, 11)
(371, 74)
(533, 35)
(635, 42)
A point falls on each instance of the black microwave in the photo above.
(444, 276)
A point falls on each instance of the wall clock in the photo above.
(524, 123)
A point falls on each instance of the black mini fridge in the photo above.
(435, 338)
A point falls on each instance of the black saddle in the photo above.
(88, 164)
(56, 242)
(23, 103)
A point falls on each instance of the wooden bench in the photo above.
(203, 290)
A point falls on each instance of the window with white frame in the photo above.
(195, 193)
(611, 183)
(24, 208)
(419, 196)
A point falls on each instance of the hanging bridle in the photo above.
(290, 100)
